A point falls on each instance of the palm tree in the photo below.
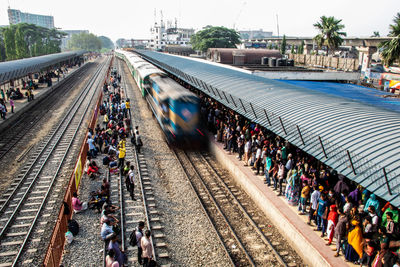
(376, 34)
(391, 48)
(330, 34)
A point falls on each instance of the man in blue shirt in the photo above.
(321, 211)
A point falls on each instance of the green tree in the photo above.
(292, 50)
(215, 37)
(283, 45)
(330, 33)
(106, 42)
(21, 48)
(300, 50)
(9, 42)
(270, 46)
(28, 40)
(391, 48)
(2, 48)
(85, 41)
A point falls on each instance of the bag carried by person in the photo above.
(132, 238)
(73, 227)
(69, 237)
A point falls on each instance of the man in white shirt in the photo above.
(131, 178)
(313, 204)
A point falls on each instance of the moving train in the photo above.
(177, 109)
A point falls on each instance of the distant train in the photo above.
(177, 109)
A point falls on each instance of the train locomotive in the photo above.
(176, 109)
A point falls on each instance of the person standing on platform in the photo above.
(147, 248)
(313, 204)
(321, 213)
(12, 105)
(131, 182)
(121, 156)
(123, 109)
(3, 110)
(138, 237)
(340, 231)
(3, 96)
(139, 142)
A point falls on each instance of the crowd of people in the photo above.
(14, 93)
(109, 141)
(365, 228)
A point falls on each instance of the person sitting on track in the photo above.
(107, 231)
(108, 215)
(93, 169)
(96, 201)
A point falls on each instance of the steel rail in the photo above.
(68, 81)
(121, 196)
(263, 237)
(2, 208)
(211, 197)
(58, 168)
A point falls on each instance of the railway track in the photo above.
(144, 208)
(238, 225)
(13, 135)
(26, 204)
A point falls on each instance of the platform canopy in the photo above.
(19, 68)
(359, 140)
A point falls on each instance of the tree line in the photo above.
(28, 40)
(89, 42)
(25, 40)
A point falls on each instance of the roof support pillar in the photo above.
(387, 181)
(225, 97)
(242, 105)
(255, 115)
(233, 100)
(283, 126)
(301, 137)
(266, 115)
(323, 148)
(220, 97)
(351, 162)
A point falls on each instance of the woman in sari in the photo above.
(332, 221)
(292, 188)
(354, 249)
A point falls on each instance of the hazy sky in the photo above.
(133, 19)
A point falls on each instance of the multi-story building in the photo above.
(16, 16)
(170, 35)
(254, 34)
(64, 41)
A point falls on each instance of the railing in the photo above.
(57, 240)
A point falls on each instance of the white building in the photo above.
(170, 35)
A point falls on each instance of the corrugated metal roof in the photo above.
(360, 141)
(139, 64)
(21, 67)
(355, 92)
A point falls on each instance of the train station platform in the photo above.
(353, 130)
(22, 105)
(307, 242)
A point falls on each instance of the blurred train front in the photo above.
(177, 111)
